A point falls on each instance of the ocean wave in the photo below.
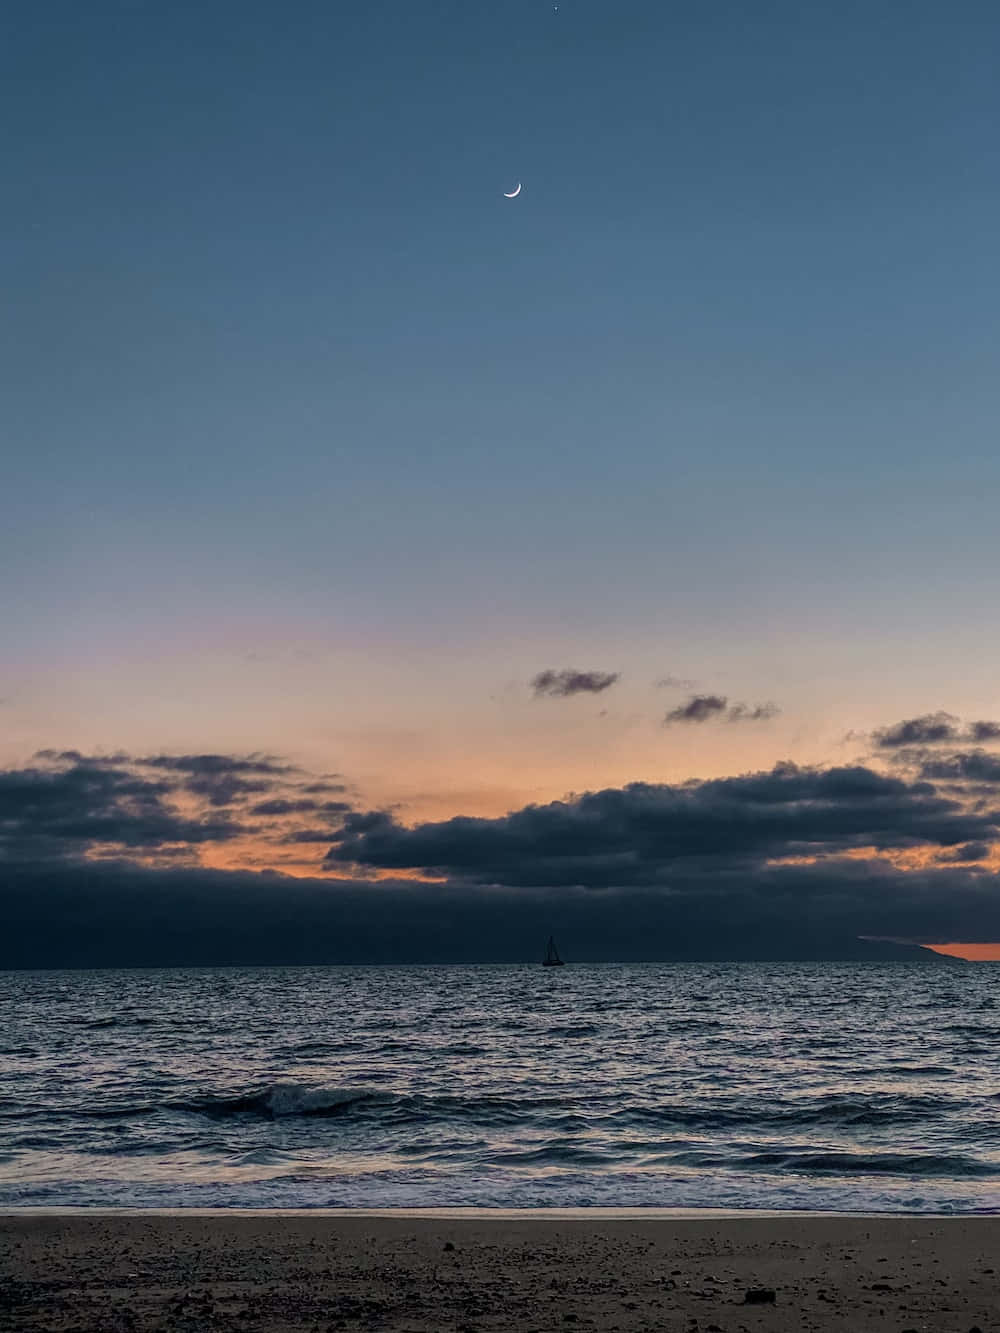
(555, 1154)
(949, 1165)
(289, 1099)
(280, 1100)
(862, 1109)
(574, 1108)
(912, 1071)
(846, 1165)
(859, 1110)
(314, 1048)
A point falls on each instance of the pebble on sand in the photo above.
(759, 1296)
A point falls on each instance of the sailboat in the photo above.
(552, 958)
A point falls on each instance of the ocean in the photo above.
(868, 1087)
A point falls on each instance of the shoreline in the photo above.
(461, 1212)
(301, 1270)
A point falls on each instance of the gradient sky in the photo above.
(315, 445)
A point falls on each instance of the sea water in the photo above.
(857, 1087)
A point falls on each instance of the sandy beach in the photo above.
(329, 1272)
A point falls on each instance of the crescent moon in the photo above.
(514, 193)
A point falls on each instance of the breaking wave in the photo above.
(279, 1100)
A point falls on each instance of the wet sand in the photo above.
(315, 1272)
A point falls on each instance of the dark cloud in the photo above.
(970, 766)
(67, 804)
(333, 810)
(114, 760)
(562, 684)
(222, 779)
(369, 821)
(298, 806)
(221, 789)
(89, 916)
(983, 731)
(758, 713)
(930, 729)
(703, 707)
(283, 806)
(216, 765)
(67, 807)
(699, 708)
(317, 836)
(644, 834)
(970, 851)
(765, 865)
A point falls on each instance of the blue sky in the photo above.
(314, 441)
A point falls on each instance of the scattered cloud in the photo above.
(669, 682)
(975, 766)
(282, 806)
(930, 729)
(222, 789)
(221, 778)
(699, 708)
(215, 765)
(758, 713)
(114, 760)
(302, 836)
(563, 684)
(935, 729)
(332, 812)
(704, 707)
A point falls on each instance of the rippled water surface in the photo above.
(785, 1086)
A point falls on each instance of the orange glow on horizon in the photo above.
(973, 953)
(923, 857)
(257, 855)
